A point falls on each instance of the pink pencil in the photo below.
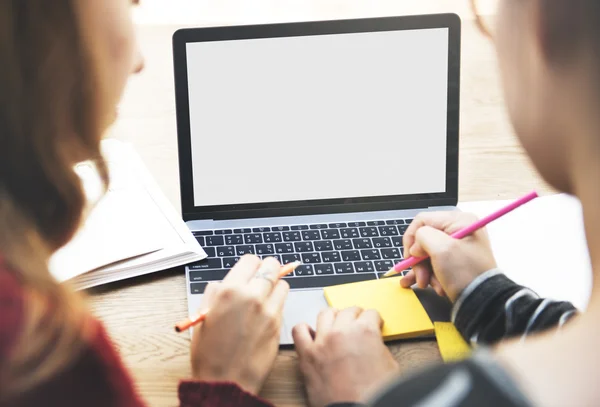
(411, 261)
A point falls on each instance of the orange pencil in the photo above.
(190, 322)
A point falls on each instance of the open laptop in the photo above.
(315, 141)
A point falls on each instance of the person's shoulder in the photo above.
(11, 308)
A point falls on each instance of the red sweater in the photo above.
(98, 377)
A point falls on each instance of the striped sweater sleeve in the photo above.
(493, 308)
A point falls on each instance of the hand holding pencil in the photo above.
(455, 247)
(239, 337)
(201, 316)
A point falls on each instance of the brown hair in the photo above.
(567, 26)
(570, 27)
(49, 121)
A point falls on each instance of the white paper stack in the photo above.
(133, 230)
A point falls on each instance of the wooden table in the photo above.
(140, 313)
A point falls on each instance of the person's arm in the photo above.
(95, 378)
(478, 381)
(493, 307)
(488, 306)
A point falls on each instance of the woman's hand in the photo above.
(345, 360)
(239, 339)
(453, 263)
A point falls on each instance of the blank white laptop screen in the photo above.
(318, 117)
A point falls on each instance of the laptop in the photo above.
(314, 141)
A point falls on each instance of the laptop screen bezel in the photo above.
(319, 206)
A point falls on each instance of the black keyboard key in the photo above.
(299, 227)
(397, 241)
(408, 221)
(291, 236)
(331, 257)
(234, 239)
(349, 233)
(229, 262)
(343, 268)
(253, 238)
(330, 234)
(369, 232)
(207, 275)
(206, 264)
(326, 281)
(402, 228)
(223, 251)
(244, 249)
(200, 240)
(202, 233)
(384, 265)
(362, 243)
(356, 224)
(290, 258)
(323, 269)
(345, 244)
(284, 248)
(280, 228)
(372, 254)
(311, 258)
(261, 230)
(382, 242)
(395, 222)
(376, 223)
(319, 226)
(323, 245)
(311, 235)
(350, 255)
(302, 247)
(304, 270)
(337, 225)
(364, 267)
(265, 249)
(388, 231)
(390, 254)
(223, 232)
(198, 288)
(215, 241)
(244, 230)
(210, 251)
(272, 237)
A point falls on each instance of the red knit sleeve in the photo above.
(195, 394)
(96, 378)
(11, 311)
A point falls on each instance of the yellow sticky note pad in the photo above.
(451, 343)
(402, 313)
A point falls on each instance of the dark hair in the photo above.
(49, 121)
(570, 26)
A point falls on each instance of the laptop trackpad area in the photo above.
(301, 307)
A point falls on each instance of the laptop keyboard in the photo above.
(334, 253)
